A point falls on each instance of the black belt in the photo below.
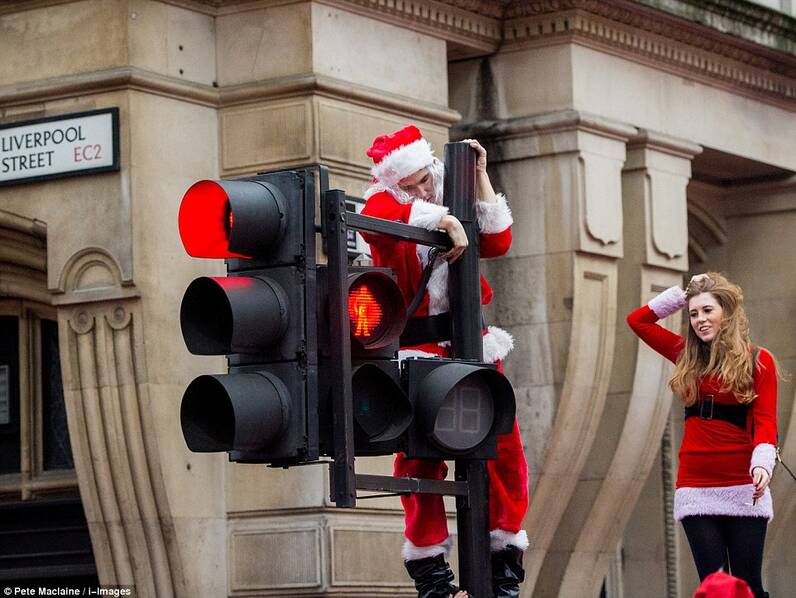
(707, 408)
(429, 329)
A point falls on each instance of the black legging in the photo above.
(732, 543)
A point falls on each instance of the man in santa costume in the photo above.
(407, 187)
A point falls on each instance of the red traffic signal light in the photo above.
(223, 219)
(376, 309)
(262, 316)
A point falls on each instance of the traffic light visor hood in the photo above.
(227, 219)
(234, 314)
(233, 412)
(461, 405)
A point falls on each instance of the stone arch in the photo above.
(23, 258)
(93, 274)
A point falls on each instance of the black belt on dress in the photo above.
(707, 408)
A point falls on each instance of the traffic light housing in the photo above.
(376, 314)
(459, 408)
(262, 315)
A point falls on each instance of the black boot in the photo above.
(507, 572)
(433, 577)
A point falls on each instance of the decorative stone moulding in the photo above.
(653, 37)
(90, 275)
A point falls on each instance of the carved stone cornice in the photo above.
(652, 37)
(133, 78)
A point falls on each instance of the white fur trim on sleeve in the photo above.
(500, 539)
(426, 215)
(410, 552)
(764, 455)
(497, 344)
(402, 162)
(670, 301)
(494, 217)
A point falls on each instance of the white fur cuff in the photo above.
(497, 344)
(426, 215)
(670, 301)
(725, 500)
(410, 552)
(494, 217)
(765, 456)
(500, 539)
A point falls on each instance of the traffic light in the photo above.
(459, 408)
(376, 316)
(262, 315)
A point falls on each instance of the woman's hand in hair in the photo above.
(760, 479)
(694, 280)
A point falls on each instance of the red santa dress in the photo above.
(716, 456)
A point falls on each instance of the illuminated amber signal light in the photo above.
(364, 311)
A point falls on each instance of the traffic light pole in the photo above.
(342, 470)
(464, 295)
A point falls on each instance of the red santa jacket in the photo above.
(408, 259)
(717, 453)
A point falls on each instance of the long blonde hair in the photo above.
(728, 356)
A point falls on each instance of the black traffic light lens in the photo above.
(381, 409)
(466, 415)
(233, 412)
(376, 310)
(235, 314)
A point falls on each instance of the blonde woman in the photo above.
(729, 388)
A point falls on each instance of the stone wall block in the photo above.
(262, 136)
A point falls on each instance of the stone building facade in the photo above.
(638, 142)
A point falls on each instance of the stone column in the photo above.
(656, 172)
(556, 292)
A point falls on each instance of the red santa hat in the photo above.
(399, 154)
(722, 585)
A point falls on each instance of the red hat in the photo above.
(399, 154)
(721, 585)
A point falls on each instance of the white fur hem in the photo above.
(426, 215)
(402, 162)
(494, 217)
(670, 301)
(500, 539)
(764, 455)
(727, 500)
(497, 344)
(410, 552)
